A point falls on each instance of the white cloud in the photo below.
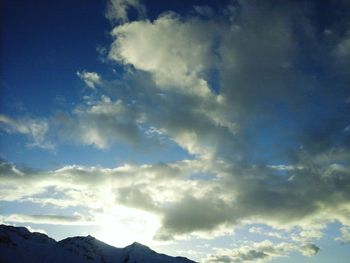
(91, 79)
(182, 53)
(308, 235)
(261, 231)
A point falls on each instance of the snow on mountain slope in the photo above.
(92, 249)
(17, 244)
(137, 252)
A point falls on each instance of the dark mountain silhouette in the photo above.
(17, 244)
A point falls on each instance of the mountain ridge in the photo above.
(18, 244)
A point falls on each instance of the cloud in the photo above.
(180, 69)
(307, 235)
(213, 207)
(253, 52)
(309, 250)
(91, 79)
(263, 251)
(100, 123)
(46, 219)
(173, 64)
(343, 48)
(261, 231)
(35, 129)
(117, 10)
(255, 69)
(194, 215)
(345, 235)
(258, 252)
(203, 10)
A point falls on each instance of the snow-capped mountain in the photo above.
(17, 244)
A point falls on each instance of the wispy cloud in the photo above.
(35, 129)
(117, 10)
(46, 219)
(263, 251)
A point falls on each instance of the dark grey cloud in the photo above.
(309, 250)
(191, 214)
(133, 196)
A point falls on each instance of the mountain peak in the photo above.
(18, 244)
(13, 235)
(138, 246)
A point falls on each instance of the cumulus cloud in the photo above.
(255, 51)
(91, 79)
(180, 68)
(182, 53)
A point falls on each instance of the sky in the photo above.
(215, 130)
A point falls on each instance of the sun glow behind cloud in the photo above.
(124, 225)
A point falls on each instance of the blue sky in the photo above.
(217, 131)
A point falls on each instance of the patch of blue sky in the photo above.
(212, 76)
(59, 232)
(35, 69)
(202, 176)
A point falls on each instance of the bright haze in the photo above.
(215, 130)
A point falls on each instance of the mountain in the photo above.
(17, 245)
